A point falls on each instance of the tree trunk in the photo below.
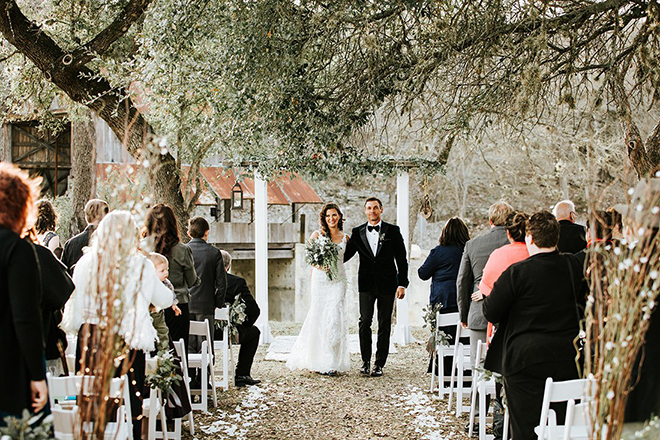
(83, 169)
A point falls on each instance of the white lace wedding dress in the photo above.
(322, 344)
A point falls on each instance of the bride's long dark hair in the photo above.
(324, 225)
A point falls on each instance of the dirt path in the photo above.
(302, 405)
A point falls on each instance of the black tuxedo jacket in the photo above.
(386, 270)
(236, 286)
(73, 248)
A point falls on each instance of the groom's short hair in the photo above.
(373, 199)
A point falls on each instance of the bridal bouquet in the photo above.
(324, 253)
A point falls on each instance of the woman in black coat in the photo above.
(442, 266)
(23, 384)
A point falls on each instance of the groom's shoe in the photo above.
(241, 381)
(377, 372)
(365, 370)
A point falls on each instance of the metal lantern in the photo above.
(237, 196)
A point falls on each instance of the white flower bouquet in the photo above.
(323, 253)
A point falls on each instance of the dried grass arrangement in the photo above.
(624, 288)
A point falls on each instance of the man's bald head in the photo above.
(565, 210)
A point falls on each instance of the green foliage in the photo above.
(430, 320)
(165, 377)
(25, 428)
(237, 317)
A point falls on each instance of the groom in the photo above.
(383, 274)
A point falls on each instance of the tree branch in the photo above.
(115, 30)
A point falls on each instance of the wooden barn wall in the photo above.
(109, 148)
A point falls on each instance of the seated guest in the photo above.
(210, 268)
(442, 266)
(95, 210)
(248, 334)
(45, 227)
(23, 385)
(571, 235)
(504, 257)
(534, 303)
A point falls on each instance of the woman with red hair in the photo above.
(22, 364)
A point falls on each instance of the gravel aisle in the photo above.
(303, 405)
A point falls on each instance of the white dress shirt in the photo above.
(373, 236)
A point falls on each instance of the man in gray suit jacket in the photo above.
(475, 256)
(211, 270)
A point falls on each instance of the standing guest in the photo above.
(211, 270)
(113, 255)
(442, 266)
(504, 257)
(95, 210)
(571, 236)
(23, 384)
(45, 227)
(160, 226)
(474, 259)
(535, 304)
(248, 333)
(57, 288)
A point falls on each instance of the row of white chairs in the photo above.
(576, 393)
(70, 386)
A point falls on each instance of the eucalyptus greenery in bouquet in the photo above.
(324, 253)
(165, 376)
(430, 320)
(28, 427)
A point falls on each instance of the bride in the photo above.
(322, 345)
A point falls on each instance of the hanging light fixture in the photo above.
(237, 196)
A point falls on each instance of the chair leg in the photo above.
(433, 356)
(163, 418)
(204, 392)
(192, 423)
(459, 389)
(505, 430)
(473, 409)
(482, 410)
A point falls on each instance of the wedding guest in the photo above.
(23, 384)
(248, 333)
(161, 227)
(210, 293)
(442, 266)
(113, 255)
(571, 236)
(95, 210)
(616, 224)
(46, 225)
(57, 288)
(474, 259)
(534, 303)
(504, 257)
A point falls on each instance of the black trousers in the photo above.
(179, 326)
(524, 395)
(385, 303)
(248, 337)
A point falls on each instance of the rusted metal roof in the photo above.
(285, 190)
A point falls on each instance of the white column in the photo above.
(261, 256)
(402, 334)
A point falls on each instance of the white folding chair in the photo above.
(203, 361)
(460, 364)
(566, 391)
(442, 351)
(481, 388)
(153, 407)
(180, 349)
(224, 347)
(63, 390)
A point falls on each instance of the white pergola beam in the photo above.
(261, 256)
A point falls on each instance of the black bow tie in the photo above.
(373, 228)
